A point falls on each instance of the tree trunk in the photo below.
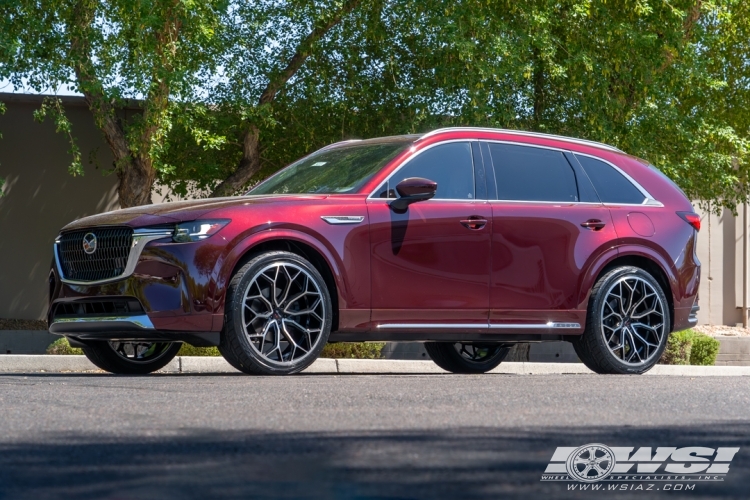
(519, 352)
(136, 179)
(247, 168)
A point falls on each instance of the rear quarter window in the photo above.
(610, 185)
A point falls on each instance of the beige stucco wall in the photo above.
(720, 247)
(40, 197)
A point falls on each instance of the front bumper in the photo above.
(170, 291)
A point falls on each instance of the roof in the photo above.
(574, 140)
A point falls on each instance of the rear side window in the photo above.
(610, 185)
(450, 165)
(525, 173)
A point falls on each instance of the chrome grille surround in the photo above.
(122, 247)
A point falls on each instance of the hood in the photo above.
(178, 211)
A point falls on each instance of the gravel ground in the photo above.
(348, 436)
(723, 331)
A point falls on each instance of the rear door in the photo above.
(548, 225)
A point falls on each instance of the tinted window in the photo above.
(341, 169)
(532, 174)
(610, 185)
(449, 165)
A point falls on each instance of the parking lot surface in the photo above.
(349, 436)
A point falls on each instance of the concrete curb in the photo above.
(20, 363)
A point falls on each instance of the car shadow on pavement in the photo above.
(464, 463)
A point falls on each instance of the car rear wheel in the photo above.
(627, 324)
(277, 317)
(457, 357)
(131, 358)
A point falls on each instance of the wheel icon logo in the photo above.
(590, 463)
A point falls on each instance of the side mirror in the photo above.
(412, 190)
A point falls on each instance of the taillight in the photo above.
(691, 218)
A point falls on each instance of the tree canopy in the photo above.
(232, 91)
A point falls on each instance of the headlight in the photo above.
(197, 230)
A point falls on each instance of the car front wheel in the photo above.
(627, 324)
(278, 315)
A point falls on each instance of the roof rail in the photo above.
(521, 132)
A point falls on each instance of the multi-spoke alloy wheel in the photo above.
(131, 358)
(278, 315)
(283, 314)
(633, 320)
(628, 323)
(462, 357)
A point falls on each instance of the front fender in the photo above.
(227, 263)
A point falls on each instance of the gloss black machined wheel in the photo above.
(628, 323)
(131, 358)
(458, 357)
(278, 315)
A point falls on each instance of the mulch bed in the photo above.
(22, 324)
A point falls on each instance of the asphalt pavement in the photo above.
(349, 436)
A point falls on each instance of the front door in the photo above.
(548, 227)
(430, 265)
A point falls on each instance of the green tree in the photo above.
(157, 51)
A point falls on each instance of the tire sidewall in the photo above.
(597, 305)
(236, 303)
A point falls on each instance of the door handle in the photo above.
(594, 224)
(474, 222)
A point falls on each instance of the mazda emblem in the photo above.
(89, 243)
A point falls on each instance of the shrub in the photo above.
(189, 350)
(678, 349)
(689, 347)
(62, 346)
(355, 350)
(704, 350)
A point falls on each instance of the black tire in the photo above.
(251, 355)
(455, 357)
(105, 355)
(633, 343)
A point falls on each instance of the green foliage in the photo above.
(189, 350)
(678, 349)
(62, 346)
(666, 81)
(704, 351)
(689, 347)
(353, 350)
(52, 108)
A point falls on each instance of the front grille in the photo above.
(108, 261)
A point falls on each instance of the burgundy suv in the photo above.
(469, 240)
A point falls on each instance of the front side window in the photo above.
(610, 185)
(525, 173)
(342, 169)
(450, 165)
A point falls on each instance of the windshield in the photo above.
(343, 169)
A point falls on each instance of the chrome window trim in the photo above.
(336, 220)
(555, 325)
(387, 179)
(140, 238)
(584, 142)
(649, 201)
(139, 320)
